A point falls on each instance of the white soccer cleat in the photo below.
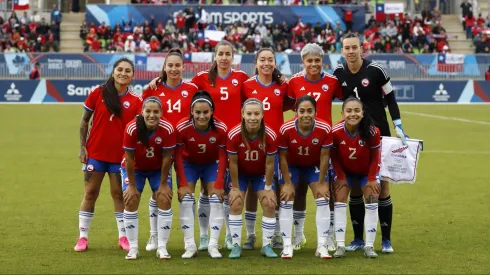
(152, 243)
(331, 244)
(213, 251)
(190, 251)
(133, 254)
(322, 252)
(162, 253)
(287, 252)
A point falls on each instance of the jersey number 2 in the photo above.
(352, 153)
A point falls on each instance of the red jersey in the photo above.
(226, 94)
(176, 101)
(105, 139)
(273, 97)
(251, 159)
(149, 158)
(354, 155)
(302, 150)
(323, 90)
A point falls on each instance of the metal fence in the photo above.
(396, 70)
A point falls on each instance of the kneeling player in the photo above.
(355, 158)
(304, 152)
(251, 150)
(201, 154)
(148, 141)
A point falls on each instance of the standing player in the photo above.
(224, 85)
(355, 158)
(201, 155)
(268, 87)
(369, 82)
(304, 146)
(112, 105)
(324, 88)
(175, 95)
(251, 150)
(148, 141)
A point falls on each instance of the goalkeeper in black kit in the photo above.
(369, 82)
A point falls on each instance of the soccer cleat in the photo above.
(203, 243)
(123, 243)
(82, 244)
(322, 252)
(228, 242)
(133, 254)
(190, 251)
(340, 252)
(356, 244)
(162, 253)
(386, 247)
(299, 243)
(287, 252)
(277, 241)
(268, 252)
(213, 251)
(369, 252)
(236, 252)
(152, 243)
(250, 242)
(330, 244)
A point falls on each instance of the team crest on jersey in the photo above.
(234, 82)
(277, 92)
(126, 104)
(315, 141)
(90, 168)
(158, 140)
(361, 142)
(212, 139)
(185, 93)
(365, 82)
(325, 87)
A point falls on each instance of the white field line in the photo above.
(448, 118)
(456, 152)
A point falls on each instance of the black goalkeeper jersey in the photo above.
(370, 84)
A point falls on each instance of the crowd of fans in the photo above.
(476, 28)
(397, 33)
(30, 33)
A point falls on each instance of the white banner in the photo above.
(391, 8)
(452, 58)
(154, 63)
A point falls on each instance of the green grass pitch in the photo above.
(441, 223)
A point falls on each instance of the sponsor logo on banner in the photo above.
(401, 149)
(244, 17)
(74, 90)
(441, 94)
(55, 64)
(13, 93)
(392, 8)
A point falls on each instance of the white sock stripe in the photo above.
(214, 200)
(152, 203)
(85, 214)
(188, 198)
(165, 213)
(321, 202)
(204, 200)
(119, 214)
(340, 205)
(299, 216)
(130, 216)
(270, 226)
(236, 223)
(286, 206)
(371, 207)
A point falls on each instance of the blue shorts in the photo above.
(257, 183)
(153, 177)
(277, 171)
(358, 180)
(206, 172)
(309, 174)
(94, 165)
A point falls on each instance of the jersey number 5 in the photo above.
(224, 93)
(352, 153)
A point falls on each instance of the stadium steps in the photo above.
(70, 30)
(482, 7)
(459, 44)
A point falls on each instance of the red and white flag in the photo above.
(21, 5)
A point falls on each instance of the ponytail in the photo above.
(213, 71)
(141, 130)
(176, 52)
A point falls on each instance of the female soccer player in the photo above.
(251, 150)
(201, 154)
(175, 95)
(267, 86)
(224, 85)
(112, 105)
(324, 88)
(355, 158)
(304, 146)
(148, 141)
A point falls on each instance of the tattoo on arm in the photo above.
(87, 176)
(84, 127)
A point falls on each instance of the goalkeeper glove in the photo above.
(399, 131)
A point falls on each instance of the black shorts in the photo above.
(384, 128)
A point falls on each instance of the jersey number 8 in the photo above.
(150, 152)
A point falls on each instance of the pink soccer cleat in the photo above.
(82, 244)
(123, 243)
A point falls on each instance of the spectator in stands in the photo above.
(130, 45)
(56, 15)
(487, 74)
(35, 74)
(466, 8)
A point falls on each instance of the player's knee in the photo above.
(236, 205)
(91, 194)
(342, 194)
(132, 205)
(267, 206)
(385, 189)
(116, 194)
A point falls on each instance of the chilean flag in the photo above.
(21, 4)
(449, 62)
